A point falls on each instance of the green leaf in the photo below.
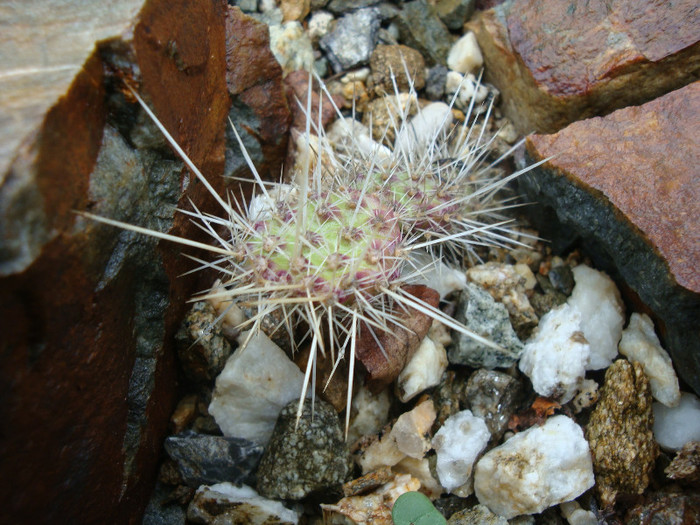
(414, 508)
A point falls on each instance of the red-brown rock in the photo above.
(386, 355)
(556, 63)
(88, 312)
(629, 184)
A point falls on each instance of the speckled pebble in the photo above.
(620, 433)
(308, 459)
(482, 314)
(477, 515)
(495, 397)
(352, 40)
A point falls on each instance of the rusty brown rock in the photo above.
(259, 109)
(556, 64)
(629, 185)
(620, 433)
(384, 361)
(396, 60)
(297, 88)
(88, 312)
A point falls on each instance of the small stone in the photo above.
(247, 6)
(639, 343)
(226, 503)
(409, 436)
(479, 312)
(458, 443)
(399, 64)
(368, 482)
(203, 459)
(454, 13)
(448, 397)
(291, 46)
(435, 82)
(184, 414)
(256, 383)
(476, 515)
(509, 284)
(345, 6)
(575, 515)
(434, 274)
(433, 120)
(535, 469)
(467, 89)
(202, 348)
(320, 24)
(556, 355)
(620, 433)
(665, 508)
(421, 28)
(685, 466)
(348, 136)
(374, 508)
(424, 370)
(494, 397)
(587, 395)
(294, 9)
(465, 56)
(598, 300)
(306, 456)
(674, 427)
(382, 113)
(352, 40)
(162, 510)
(562, 278)
(421, 469)
(370, 413)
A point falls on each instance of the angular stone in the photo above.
(259, 109)
(203, 459)
(421, 28)
(554, 66)
(304, 456)
(620, 184)
(620, 433)
(88, 311)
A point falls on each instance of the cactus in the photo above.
(331, 251)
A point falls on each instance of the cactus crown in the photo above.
(331, 251)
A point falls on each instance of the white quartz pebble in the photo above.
(256, 383)
(240, 503)
(465, 55)
(556, 355)
(458, 443)
(535, 469)
(423, 371)
(602, 314)
(639, 343)
(430, 123)
(575, 515)
(674, 427)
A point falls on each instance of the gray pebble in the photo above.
(308, 459)
(203, 459)
(479, 312)
(353, 39)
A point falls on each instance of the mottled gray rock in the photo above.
(495, 397)
(421, 28)
(562, 278)
(353, 39)
(479, 312)
(202, 348)
(435, 82)
(203, 459)
(304, 459)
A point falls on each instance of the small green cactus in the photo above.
(331, 252)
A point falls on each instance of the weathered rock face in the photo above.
(88, 312)
(620, 183)
(554, 66)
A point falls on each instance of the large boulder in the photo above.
(87, 375)
(556, 62)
